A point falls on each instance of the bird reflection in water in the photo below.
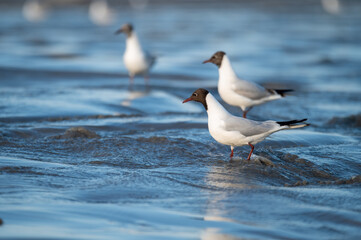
(222, 182)
(133, 95)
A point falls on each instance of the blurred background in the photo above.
(78, 35)
(83, 156)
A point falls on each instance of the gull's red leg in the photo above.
(250, 153)
(245, 112)
(232, 152)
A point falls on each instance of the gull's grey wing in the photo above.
(249, 127)
(250, 90)
(150, 58)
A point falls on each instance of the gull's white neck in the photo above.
(226, 72)
(215, 109)
(133, 44)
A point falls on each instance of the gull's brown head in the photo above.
(216, 58)
(199, 96)
(126, 29)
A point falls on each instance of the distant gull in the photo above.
(331, 6)
(136, 60)
(238, 92)
(37, 10)
(236, 131)
(34, 11)
(100, 13)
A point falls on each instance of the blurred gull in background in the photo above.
(100, 13)
(34, 11)
(136, 60)
(331, 6)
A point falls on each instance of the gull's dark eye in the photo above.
(195, 94)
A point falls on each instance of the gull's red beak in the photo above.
(187, 100)
(207, 61)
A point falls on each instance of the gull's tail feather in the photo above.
(282, 91)
(293, 123)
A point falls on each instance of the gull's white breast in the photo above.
(235, 131)
(135, 58)
(217, 117)
(238, 92)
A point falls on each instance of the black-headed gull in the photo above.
(136, 60)
(239, 92)
(237, 131)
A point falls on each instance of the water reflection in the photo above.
(214, 234)
(224, 179)
(227, 181)
(133, 95)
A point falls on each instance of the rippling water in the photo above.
(82, 156)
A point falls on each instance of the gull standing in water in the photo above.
(238, 92)
(136, 60)
(236, 131)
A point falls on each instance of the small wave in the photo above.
(64, 118)
(97, 162)
(61, 55)
(23, 133)
(349, 121)
(37, 41)
(77, 132)
(99, 116)
(351, 180)
(104, 163)
(23, 170)
(326, 61)
(255, 159)
(153, 140)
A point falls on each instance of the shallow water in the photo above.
(82, 156)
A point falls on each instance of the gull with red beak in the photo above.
(136, 60)
(236, 131)
(238, 92)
